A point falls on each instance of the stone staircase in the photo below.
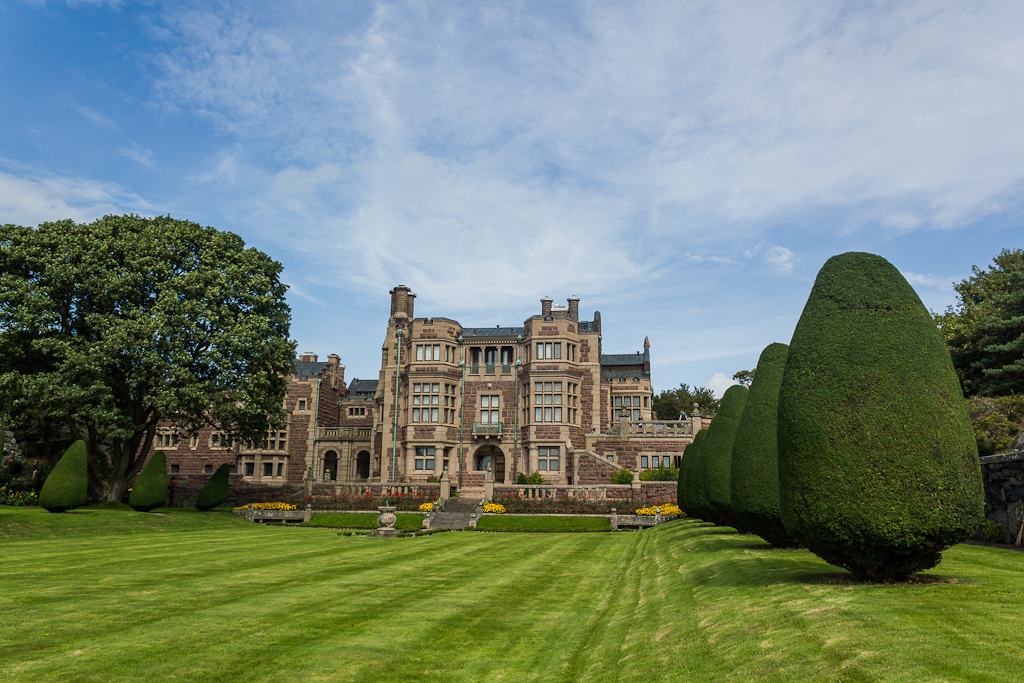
(457, 512)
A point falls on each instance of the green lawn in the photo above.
(363, 520)
(544, 523)
(182, 595)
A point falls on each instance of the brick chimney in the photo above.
(574, 308)
(307, 357)
(545, 306)
(401, 303)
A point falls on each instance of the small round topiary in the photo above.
(214, 491)
(878, 464)
(717, 456)
(755, 454)
(150, 489)
(68, 484)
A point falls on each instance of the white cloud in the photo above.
(932, 281)
(33, 197)
(781, 259)
(137, 153)
(684, 125)
(96, 118)
(719, 383)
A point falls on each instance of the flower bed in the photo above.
(665, 509)
(8, 497)
(267, 506)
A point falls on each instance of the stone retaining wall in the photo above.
(1003, 477)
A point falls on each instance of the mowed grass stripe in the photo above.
(267, 597)
(681, 602)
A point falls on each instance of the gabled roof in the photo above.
(306, 370)
(493, 331)
(621, 359)
(362, 386)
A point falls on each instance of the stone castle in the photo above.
(477, 402)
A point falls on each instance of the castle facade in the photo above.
(538, 398)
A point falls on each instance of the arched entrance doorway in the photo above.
(363, 465)
(493, 456)
(330, 466)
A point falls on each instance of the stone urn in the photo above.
(386, 522)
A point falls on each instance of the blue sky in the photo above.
(684, 168)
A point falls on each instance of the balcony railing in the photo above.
(487, 428)
(345, 433)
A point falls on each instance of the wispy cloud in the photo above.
(96, 118)
(932, 281)
(588, 130)
(30, 197)
(137, 153)
(781, 259)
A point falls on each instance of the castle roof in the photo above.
(362, 386)
(306, 370)
(493, 331)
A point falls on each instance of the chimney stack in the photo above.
(545, 306)
(307, 357)
(401, 304)
(574, 308)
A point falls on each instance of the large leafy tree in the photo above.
(112, 326)
(963, 325)
(671, 402)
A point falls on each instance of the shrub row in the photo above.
(855, 442)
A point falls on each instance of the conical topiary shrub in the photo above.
(68, 484)
(717, 456)
(878, 466)
(150, 489)
(215, 490)
(755, 454)
(689, 491)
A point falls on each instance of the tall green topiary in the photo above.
(68, 484)
(878, 466)
(689, 493)
(755, 456)
(717, 456)
(150, 489)
(215, 490)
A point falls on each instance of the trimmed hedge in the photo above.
(67, 487)
(689, 493)
(214, 491)
(754, 479)
(717, 456)
(623, 476)
(150, 489)
(878, 466)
